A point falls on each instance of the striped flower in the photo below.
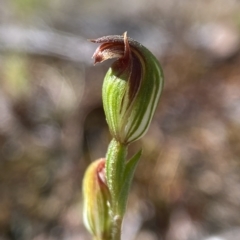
(96, 201)
(131, 88)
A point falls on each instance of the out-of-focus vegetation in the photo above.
(187, 185)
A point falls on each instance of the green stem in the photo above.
(117, 228)
(115, 166)
(119, 174)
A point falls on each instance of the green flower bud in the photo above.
(131, 88)
(96, 197)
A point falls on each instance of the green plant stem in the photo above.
(115, 166)
(117, 228)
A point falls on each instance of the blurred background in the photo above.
(52, 125)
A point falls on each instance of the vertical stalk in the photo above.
(115, 166)
(117, 228)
